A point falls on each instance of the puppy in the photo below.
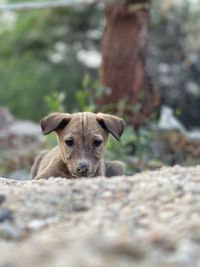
(81, 144)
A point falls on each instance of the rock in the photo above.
(5, 215)
(5, 117)
(9, 232)
(20, 133)
(39, 224)
(2, 198)
(19, 144)
(15, 133)
(151, 219)
(168, 121)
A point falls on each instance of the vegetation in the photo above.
(41, 69)
(40, 52)
(39, 57)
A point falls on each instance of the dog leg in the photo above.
(114, 168)
(36, 164)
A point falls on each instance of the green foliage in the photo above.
(39, 58)
(84, 96)
(40, 71)
(179, 20)
(88, 93)
(121, 150)
(55, 101)
(133, 143)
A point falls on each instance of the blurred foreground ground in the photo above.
(150, 219)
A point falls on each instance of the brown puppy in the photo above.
(81, 143)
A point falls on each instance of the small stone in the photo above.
(5, 215)
(164, 242)
(80, 207)
(122, 248)
(2, 198)
(9, 232)
(36, 224)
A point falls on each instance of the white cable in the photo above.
(40, 5)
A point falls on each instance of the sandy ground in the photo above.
(150, 219)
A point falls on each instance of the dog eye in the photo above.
(97, 143)
(69, 143)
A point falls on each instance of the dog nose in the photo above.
(83, 168)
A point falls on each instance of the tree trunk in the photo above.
(124, 48)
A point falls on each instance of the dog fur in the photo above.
(82, 138)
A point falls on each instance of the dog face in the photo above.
(82, 138)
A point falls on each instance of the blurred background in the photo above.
(137, 59)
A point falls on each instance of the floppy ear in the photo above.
(111, 124)
(54, 121)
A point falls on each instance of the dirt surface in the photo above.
(150, 219)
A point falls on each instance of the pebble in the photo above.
(98, 222)
(5, 215)
(2, 198)
(36, 225)
(9, 232)
(80, 207)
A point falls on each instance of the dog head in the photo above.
(82, 138)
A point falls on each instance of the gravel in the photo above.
(5, 215)
(148, 220)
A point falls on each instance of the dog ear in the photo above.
(112, 124)
(54, 121)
